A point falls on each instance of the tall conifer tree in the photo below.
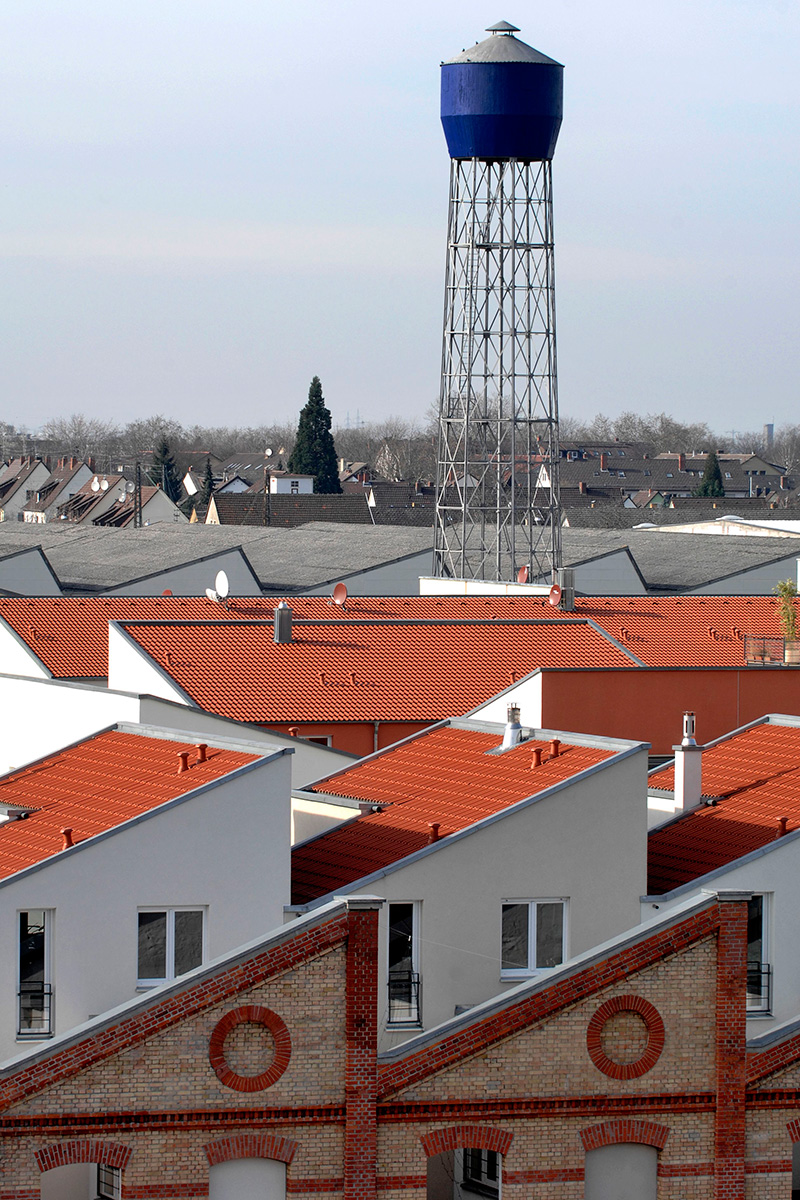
(314, 451)
(711, 483)
(164, 471)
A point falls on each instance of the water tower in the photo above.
(497, 504)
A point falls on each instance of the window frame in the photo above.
(762, 1008)
(416, 909)
(143, 982)
(108, 1182)
(48, 918)
(530, 972)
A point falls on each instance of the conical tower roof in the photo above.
(502, 47)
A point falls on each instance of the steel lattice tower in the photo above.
(497, 508)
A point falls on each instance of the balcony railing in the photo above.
(35, 1010)
(759, 987)
(405, 989)
(770, 650)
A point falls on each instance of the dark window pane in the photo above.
(401, 934)
(153, 945)
(188, 941)
(755, 929)
(515, 937)
(549, 934)
(31, 946)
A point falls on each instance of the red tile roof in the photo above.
(70, 635)
(444, 775)
(680, 631)
(95, 785)
(347, 671)
(756, 774)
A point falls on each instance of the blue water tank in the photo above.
(502, 99)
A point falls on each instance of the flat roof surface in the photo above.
(95, 785)
(756, 775)
(445, 775)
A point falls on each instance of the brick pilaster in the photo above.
(731, 1035)
(361, 1072)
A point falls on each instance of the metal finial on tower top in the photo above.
(502, 27)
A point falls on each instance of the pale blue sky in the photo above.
(205, 203)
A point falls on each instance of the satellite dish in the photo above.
(339, 594)
(130, 488)
(103, 485)
(221, 585)
(212, 595)
(121, 497)
(554, 597)
(522, 575)
(268, 452)
(167, 592)
(95, 484)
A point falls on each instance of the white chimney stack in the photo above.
(688, 768)
(513, 730)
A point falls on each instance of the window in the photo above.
(481, 1172)
(320, 739)
(727, 474)
(533, 936)
(170, 943)
(108, 1182)
(35, 993)
(295, 487)
(404, 980)
(759, 971)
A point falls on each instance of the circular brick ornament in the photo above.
(655, 1037)
(251, 1014)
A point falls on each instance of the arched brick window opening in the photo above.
(611, 1133)
(247, 1179)
(622, 1159)
(465, 1161)
(81, 1168)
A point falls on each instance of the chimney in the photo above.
(688, 768)
(783, 483)
(555, 748)
(681, 462)
(602, 462)
(582, 487)
(66, 835)
(513, 730)
(183, 761)
(433, 836)
(202, 751)
(283, 623)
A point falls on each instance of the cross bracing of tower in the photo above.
(498, 502)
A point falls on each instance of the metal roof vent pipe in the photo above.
(688, 768)
(513, 730)
(283, 623)
(566, 581)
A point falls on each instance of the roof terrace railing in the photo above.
(769, 650)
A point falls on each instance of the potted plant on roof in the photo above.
(786, 591)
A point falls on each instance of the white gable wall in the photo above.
(226, 848)
(192, 579)
(28, 574)
(16, 658)
(130, 669)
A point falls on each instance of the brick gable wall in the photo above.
(523, 1081)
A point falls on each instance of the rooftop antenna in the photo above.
(340, 594)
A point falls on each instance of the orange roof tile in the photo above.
(348, 671)
(70, 634)
(444, 775)
(756, 774)
(684, 631)
(95, 785)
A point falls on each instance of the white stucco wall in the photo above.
(758, 581)
(130, 669)
(586, 843)
(10, 508)
(192, 579)
(27, 574)
(159, 508)
(527, 695)
(16, 657)
(776, 875)
(41, 716)
(226, 848)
